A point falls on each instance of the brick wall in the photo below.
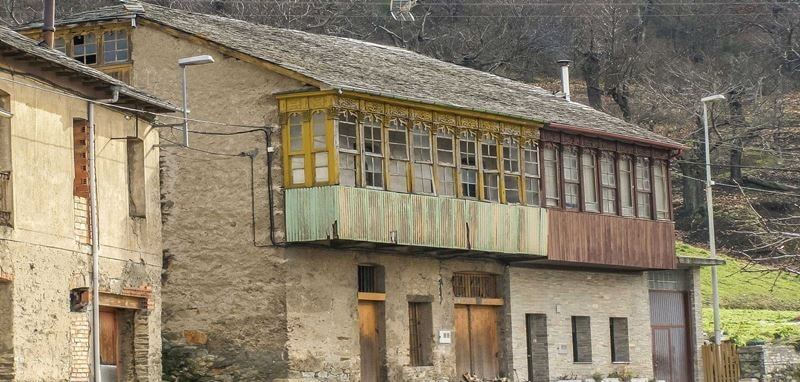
(561, 294)
(79, 340)
(769, 362)
(83, 234)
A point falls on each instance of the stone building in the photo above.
(46, 238)
(349, 211)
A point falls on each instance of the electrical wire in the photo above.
(740, 166)
(742, 187)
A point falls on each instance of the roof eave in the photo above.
(615, 136)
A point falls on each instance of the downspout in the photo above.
(95, 233)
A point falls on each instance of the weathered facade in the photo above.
(45, 235)
(337, 218)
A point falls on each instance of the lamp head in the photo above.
(712, 98)
(196, 60)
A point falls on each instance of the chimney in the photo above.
(49, 21)
(564, 77)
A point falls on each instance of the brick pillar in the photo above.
(79, 347)
(141, 345)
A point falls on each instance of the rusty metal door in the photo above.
(669, 323)
(476, 344)
(371, 340)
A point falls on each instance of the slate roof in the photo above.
(349, 64)
(18, 42)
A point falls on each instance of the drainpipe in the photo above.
(49, 24)
(95, 233)
(565, 78)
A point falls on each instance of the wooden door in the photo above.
(109, 345)
(372, 340)
(536, 336)
(477, 347)
(671, 353)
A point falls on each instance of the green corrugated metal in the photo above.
(382, 217)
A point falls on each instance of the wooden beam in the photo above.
(371, 296)
(6, 277)
(478, 301)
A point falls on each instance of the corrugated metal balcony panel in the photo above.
(415, 220)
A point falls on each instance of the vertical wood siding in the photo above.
(610, 240)
(406, 219)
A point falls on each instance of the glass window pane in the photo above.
(469, 183)
(551, 180)
(373, 171)
(422, 146)
(347, 169)
(625, 187)
(444, 149)
(347, 133)
(489, 155)
(321, 167)
(295, 133)
(512, 188)
(373, 140)
(447, 181)
(320, 132)
(423, 178)
(589, 182)
(398, 176)
(491, 187)
(298, 170)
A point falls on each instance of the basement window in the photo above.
(581, 339)
(619, 340)
(370, 279)
(84, 48)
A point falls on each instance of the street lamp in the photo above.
(712, 243)
(183, 63)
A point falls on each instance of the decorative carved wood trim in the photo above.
(643, 151)
(347, 103)
(396, 111)
(550, 136)
(447, 119)
(468, 123)
(423, 115)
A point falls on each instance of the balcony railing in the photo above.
(348, 214)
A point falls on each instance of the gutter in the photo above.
(93, 219)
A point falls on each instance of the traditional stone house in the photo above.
(400, 218)
(46, 240)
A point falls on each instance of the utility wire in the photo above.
(742, 187)
(741, 166)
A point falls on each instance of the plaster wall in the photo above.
(224, 291)
(561, 294)
(41, 250)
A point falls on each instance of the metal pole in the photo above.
(712, 244)
(95, 244)
(185, 109)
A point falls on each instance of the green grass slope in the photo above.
(745, 325)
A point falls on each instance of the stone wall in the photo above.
(766, 363)
(561, 294)
(225, 313)
(322, 316)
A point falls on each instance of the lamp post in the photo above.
(183, 63)
(712, 243)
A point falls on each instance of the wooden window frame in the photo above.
(594, 174)
(663, 166)
(489, 140)
(379, 121)
(99, 33)
(453, 168)
(505, 161)
(474, 168)
(314, 150)
(612, 157)
(559, 197)
(641, 191)
(533, 147)
(631, 184)
(576, 183)
(340, 150)
(420, 129)
(397, 125)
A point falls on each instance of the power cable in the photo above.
(742, 187)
